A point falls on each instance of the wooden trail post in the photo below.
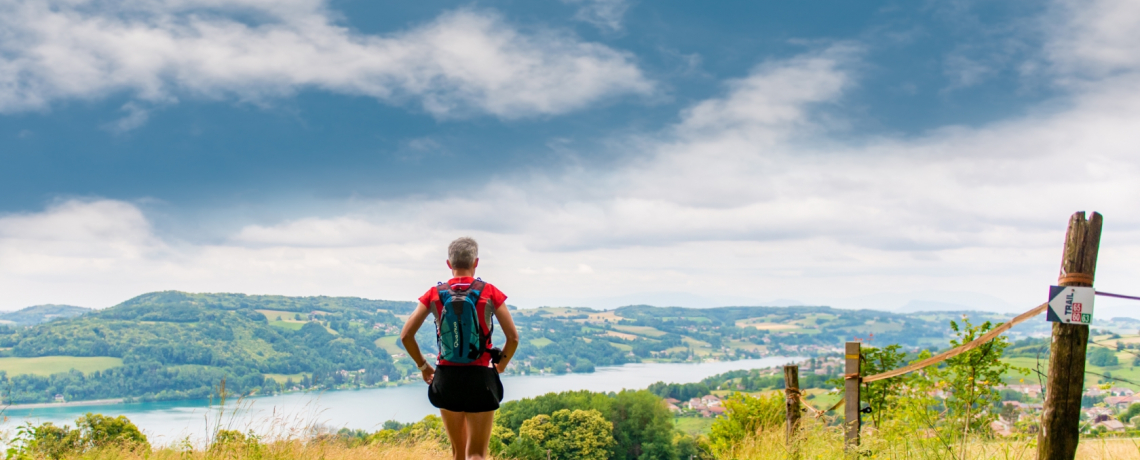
(1060, 421)
(792, 399)
(851, 395)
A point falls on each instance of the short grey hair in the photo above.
(462, 253)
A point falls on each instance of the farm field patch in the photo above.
(388, 344)
(693, 425)
(601, 317)
(621, 346)
(286, 316)
(765, 326)
(621, 335)
(291, 325)
(47, 365)
(641, 330)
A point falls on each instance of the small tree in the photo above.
(970, 378)
(882, 396)
(92, 431)
(746, 415)
(578, 434)
(1102, 357)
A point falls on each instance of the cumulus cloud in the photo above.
(756, 187)
(465, 61)
(756, 183)
(1094, 39)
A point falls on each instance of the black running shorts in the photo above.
(466, 389)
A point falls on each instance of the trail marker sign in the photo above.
(1071, 304)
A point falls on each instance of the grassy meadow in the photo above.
(47, 365)
(1123, 374)
(388, 343)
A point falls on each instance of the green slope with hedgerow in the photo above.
(175, 345)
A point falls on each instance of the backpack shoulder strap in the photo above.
(442, 289)
(478, 286)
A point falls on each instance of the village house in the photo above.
(1110, 425)
(1118, 391)
(1120, 402)
(1033, 391)
(710, 401)
(1093, 413)
(695, 404)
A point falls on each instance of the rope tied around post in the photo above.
(1069, 278)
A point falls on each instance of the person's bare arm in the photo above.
(508, 325)
(408, 338)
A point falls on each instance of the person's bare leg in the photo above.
(455, 423)
(479, 434)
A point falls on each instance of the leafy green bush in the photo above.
(247, 445)
(642, 426)
(578, 434)
(92, 431)
(430, 429)
(746, 415)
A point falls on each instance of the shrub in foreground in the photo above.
(91, 432)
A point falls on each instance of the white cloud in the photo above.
(605, 14)
(136, 117)
(1094, 39)
(463, 62)
(756, 193)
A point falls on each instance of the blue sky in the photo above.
(858, 154)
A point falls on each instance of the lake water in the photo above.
(172, 421)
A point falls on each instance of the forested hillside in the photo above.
(174, 345)
(177, 345)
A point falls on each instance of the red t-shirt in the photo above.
(490, 294)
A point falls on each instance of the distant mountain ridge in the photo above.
(41, 314)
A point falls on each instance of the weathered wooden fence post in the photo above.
(851, 395)
(1060, 421)
(792, 398)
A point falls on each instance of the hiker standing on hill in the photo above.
(466, 386)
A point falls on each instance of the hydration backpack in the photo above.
(459, 331)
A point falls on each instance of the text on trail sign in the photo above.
(1071, 304)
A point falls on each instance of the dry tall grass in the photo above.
(819, 441)
(281, 450)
